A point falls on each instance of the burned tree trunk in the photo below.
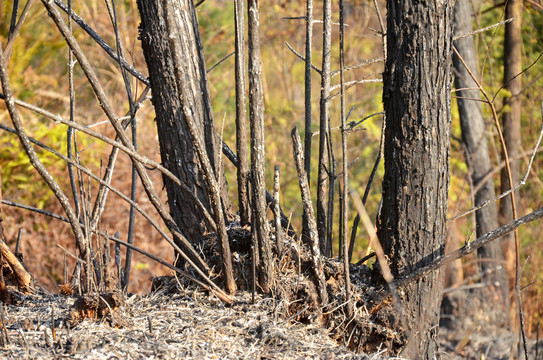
(241, 115)
(324, 155)
(256, 114)
(176, 148)
(188, 143)
(412, 224)
(478, 160)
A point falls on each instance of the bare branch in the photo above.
(35, 161)
(356, 66)
(189, 253)
(469, 248)
(483, 29)
(302, 58)
(100, 41)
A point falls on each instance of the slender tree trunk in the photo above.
(412, 223)
(307, 104)
(511, 117)
(241, 116)
(256, 114)
(478, 159)
(323, 127)
(345, 198)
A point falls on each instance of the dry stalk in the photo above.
(316, 258)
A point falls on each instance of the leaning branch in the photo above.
(469, 248)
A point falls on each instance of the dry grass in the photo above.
(187, 324)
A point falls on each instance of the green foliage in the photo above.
(19, 180)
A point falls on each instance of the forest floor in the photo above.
(190, 324)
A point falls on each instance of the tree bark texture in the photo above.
(176, 148)
(412, 223)
(316, 257)
(241, 115)
(256, 115)
(511, 118)
(479, 164)
(308, 121)
(185, 59)
(322, 176)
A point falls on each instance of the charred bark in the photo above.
(188, 143)
(412, 223)
(256, 114)
(323, 175)
(241, 116)
(176, 148)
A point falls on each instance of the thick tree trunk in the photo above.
(188, 143)
(176, 148)
(511, 118)
(412, 224)
(477, 157)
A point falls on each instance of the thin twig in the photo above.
(35, 161)
(302, 58)
(134, 179)
(468, 248)
(356, 66)
(368, 188)
(483, 29)
(513, 189)
(100, 41)
(277, 212)
(350, 84)
(142, 159)
(13, 34)
(220, 61)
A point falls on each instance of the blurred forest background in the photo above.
(38, 71)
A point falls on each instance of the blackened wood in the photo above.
(323, 123)
(185, 248)
(269, 197)
(331, 171)
(256, 114)
(316, 258)
(100, 41)
(307, 87)
(2, 235)
(307, 103)
(176, 146)
(345, 196)
(412, 223)
(479, 163)
(180, 29)
(241, 115)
